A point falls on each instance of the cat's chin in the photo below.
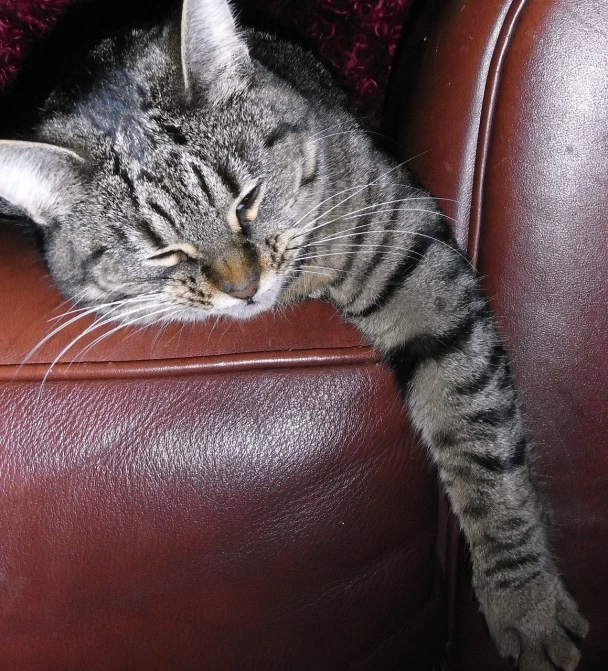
(246, 310)
(243, 310)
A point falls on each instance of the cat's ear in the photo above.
(215, 58)
(39, 179)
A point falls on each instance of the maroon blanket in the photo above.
(22, 22)
(356, 37)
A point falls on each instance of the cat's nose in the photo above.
(244, 290)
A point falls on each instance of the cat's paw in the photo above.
(538, 627)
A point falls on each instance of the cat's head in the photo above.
(178, 184)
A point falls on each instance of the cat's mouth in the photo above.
(246, 309)
(263, 300)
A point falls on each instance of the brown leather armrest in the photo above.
(503, 106)
(218, 497)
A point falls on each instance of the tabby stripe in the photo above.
(512, 564)
(404, 269)
(281, 131)
(144, 227)
(174, 133)
(518, 583)
(155, 207)
(489, 462)
(495, 464)
(298, 269)
(414, 256)
(229, 181)
(494, 416)
(351, 256)
(458, 471)
(91, 260)
(406, 359)
(514, 523)
(492, 368)
(98, 253)
(375, 261)
(120, 171)
(475, 511)
(203, 184)
(157, 180)
(358, 239)
(119, 233)
(309, 179)
(498, 545)
(518, 458)
(444, 439)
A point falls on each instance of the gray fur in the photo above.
(145, 228)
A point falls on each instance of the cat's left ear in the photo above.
(41, 180)
(215, 58)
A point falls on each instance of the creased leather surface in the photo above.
(262, 521)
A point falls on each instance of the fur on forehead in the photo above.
(214, 56)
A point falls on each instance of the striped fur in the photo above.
(232, 196)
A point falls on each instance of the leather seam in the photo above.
(231, 363)
(486, 122)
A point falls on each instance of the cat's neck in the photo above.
(356, 208)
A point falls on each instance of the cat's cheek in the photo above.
(270, 284)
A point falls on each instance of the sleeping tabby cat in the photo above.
(190, 170)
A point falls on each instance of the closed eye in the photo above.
(172, 256)
(248, 204)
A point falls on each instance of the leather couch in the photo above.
(250, 496)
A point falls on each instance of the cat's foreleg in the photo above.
(481, 453)
(430, 320)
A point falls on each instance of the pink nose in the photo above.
(243, 291)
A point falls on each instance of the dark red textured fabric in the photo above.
(21, 22)
(357, 38)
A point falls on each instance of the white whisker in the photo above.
(100, 306)
(455, 250)
(131, 322)
(305, 269)
(346, 132)
(341, 253)
(53, 333)
(357, 189)
(337, 125)
(92, 327)
(355, 213)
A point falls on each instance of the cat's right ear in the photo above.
(39, 179)
(215, 57)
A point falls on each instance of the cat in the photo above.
(194, 168)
